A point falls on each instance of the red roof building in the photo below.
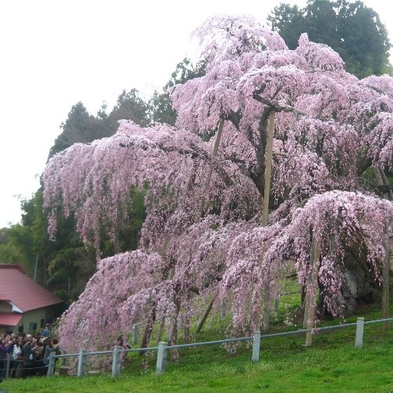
(24, 305)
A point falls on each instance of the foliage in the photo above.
(14, 243)
(202, 235)
(24, 243)
(352, 29)
(63, 266)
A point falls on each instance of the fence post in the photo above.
(64, 360)
(161, 357)
(81, 362)
(256, 346)
(134, 334)
(7, 372)
(359, 332)
(51, 365)
(116, 361)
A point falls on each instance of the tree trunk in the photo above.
(161, 329)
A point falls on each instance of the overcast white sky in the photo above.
(55, 53)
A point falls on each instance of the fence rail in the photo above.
(163, 347)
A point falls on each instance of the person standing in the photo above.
(52, 346)
(15, 361)
(46, 332)
(28, 357)
(3, 358)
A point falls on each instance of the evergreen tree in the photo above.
(130, 106)
(80, 126)
(352, 29)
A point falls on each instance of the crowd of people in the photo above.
(26, 355)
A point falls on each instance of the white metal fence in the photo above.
(163, 347)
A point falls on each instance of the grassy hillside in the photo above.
(331, 364)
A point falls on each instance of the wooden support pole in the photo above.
(310, 307)
(385, 281)
(268, 168)
(214, 154)
(265, 208)
(387, 194)
(134, 334)
(205, 314)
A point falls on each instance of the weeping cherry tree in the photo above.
(205, 236)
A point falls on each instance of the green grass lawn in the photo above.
(331, 364)
(342, 369)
